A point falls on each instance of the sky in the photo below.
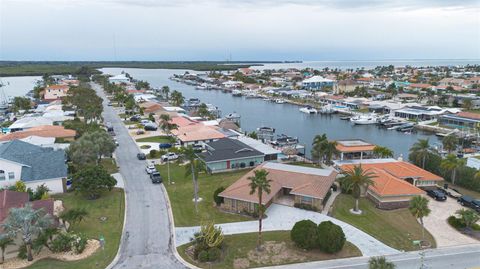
(177, 30)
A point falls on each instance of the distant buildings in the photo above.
(55, 92)
(461, 120)
(119, 79)
(317, 83)
(344, 86)
(354, 150)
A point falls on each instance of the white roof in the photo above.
(298, 169)
(173, 109)
(258, 145)
(39, 140)
(119, 77)
(316, 79)
(56, 115)
(29, 122)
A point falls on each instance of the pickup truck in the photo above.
(470, 202)
(169, 157)
(156, 177)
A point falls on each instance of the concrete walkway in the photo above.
(330, 201)
(282, 218)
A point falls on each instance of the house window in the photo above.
(2, 175)
(306, 200)
(11, 175)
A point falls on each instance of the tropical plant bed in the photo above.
(92, 246)
(240, 252)
(473, 232)
(396, 228)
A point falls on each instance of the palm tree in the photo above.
(330, 151)
(452, 163)
(166, 125)
(74, 215)
(380, 263)
(318, 150)
(193, 169)
(177, 98)
(355, 179)
(165, 92)
(5, 241)
(419, 209)
(382, 152)
(28, 222)
(421, 149)
(259, 184)
(450, 143)
(468, 217)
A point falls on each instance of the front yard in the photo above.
(105, 217)
(157, 139)
(240, 252)
(181, 196)
(396, 228)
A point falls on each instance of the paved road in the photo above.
(282, 218)
(147, 238)
(459, 257)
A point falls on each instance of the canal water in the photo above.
(18, 86)
(285, 118)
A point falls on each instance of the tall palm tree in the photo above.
(193, 169)
(165, 92)
(318, 149)
(450, 142)
(421, 149)
(259, 183)
(5, 241)
(28, 222)
(355, 179)
(177, 98)
(166, 125)
(452, 163)
(330, 151)
(382, 152)
(419, 209)
(380, 263)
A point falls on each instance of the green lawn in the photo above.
(110, 165)
(396, 228)
(157, 139)
(237, 248)
(464, 191)
(181, 196)
(110, 205)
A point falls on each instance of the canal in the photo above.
(285, 118)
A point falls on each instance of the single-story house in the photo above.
(196, 133)
(54, 131)
(354, 149)
(28, 122)
(290, 184)
(230, 154)
(270, 153)
(395, 182)
(461, 120)
(34, 165)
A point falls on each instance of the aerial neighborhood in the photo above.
(80, 149)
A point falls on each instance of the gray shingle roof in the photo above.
(228, 149)
(38, 163)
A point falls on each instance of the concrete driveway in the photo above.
(436, 223)
(282, 218)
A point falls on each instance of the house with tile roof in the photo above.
(54, 131)
(354, 149)
(196, 133)
(395, 182)
(290, 185)
(228, 154)
(34, 165)
(55, 92)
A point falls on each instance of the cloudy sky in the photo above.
(239, 29)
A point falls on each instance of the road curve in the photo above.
(147, 240)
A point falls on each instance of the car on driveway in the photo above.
(437, 195)
(169, 157)
(150, 127)
(164, 145)
(141, 156)
(470, 202)
(450, 191)
(156, 177)
(150, 168)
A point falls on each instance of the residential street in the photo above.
(147, 236)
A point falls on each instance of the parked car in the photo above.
(116, 142)
(169, 157)
(140, 131)
(135, 118)
(437, 195)
(109, 104)
(197, 148)
(145, 122)
(150, 168)
(470, 202)
(141, 156)
(450, 191)
(164, 146)
(150, 127)
(156, 177)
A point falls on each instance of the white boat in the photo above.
(251, 94)
(279, 101)
(364, 119)
(236, 93)
(308, 110)
(328, 109)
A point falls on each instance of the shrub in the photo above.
(330, 237)
(79, 243)
(62, 243)
(304, 234)
(218, 200)
(455, 222)
(22, 252)
(306, 207)
(145, 146)
(153, 153)
(214, 254)
(203, 256)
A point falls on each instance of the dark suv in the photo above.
(437, 195)
(156, 177)
(470, 202)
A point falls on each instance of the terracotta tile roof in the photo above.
(151, 107)
(354, 146)
(43, 131)
(182, 121)
(469, 115)
(12, 199)
(302, 181)
(388, 185)
(197, 132)
(58, 87)
(420, 85)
